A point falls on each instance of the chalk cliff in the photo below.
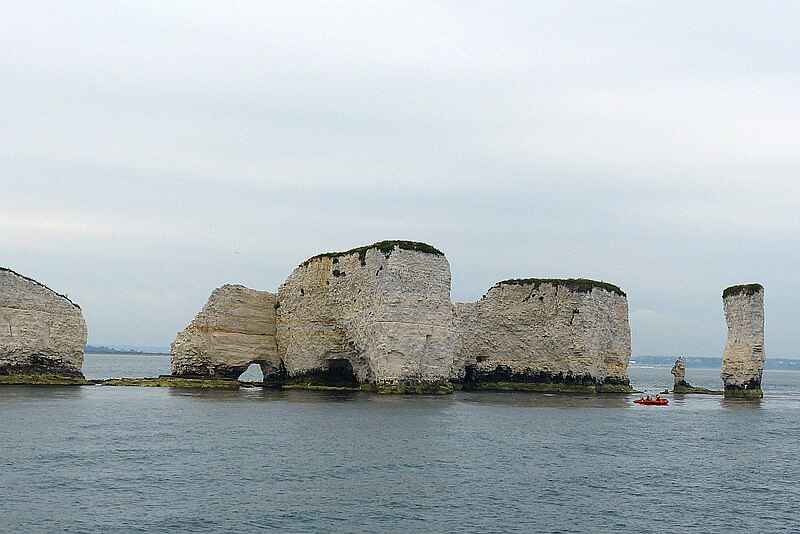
(41, 332)
(235, 329)
(544, 334)
(378, 315)
(743, 358)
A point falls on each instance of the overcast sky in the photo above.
(154, 151)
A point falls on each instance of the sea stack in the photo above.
(546, 335)
(743, 358)
(679, 373)
(42, 333)
(377, 317)
(235, 329)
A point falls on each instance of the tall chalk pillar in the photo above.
(743, 358)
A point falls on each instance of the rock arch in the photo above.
(235, 329)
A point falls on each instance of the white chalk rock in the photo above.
(40, 330)
(377, 315)
(539, 331)
(235, 329)
(743, 358)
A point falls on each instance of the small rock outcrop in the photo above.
(743, 358)
(681, 386)
(679, 372)
(41, 332)
(235, 329)
(544, 334)
(378, 316)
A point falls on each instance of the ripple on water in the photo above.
(161, 460)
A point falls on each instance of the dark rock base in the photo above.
(502, 378)
(685, 388)
(743, 393)
(41, 365)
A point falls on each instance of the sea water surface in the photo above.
(124, 459)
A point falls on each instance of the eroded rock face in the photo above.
(743, 358)
(548, 332)
(40, 330)
(235, 329)
(679, 373)
(378, 315)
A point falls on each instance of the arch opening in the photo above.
(253, 373)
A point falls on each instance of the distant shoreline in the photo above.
(104, 349)
(143, 354)
(699, 362)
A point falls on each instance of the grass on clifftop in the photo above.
(383, 246)
(742, 289)
(581, 285)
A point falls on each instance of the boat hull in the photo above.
(660, 402)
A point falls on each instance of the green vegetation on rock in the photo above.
(580, 285)
(315, 383)
(691, 390)
(318, 387)
(384, 246)
(171, 381)
(41, 379)
(414, 389)
(738, 393)
(742, 289)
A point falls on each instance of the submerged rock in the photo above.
(42, 333)
(743, 358)
(378, 315)
(544, 334)
(235, 329)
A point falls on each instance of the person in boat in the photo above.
(658, 396)
(649, 398)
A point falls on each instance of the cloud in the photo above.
(653, 146)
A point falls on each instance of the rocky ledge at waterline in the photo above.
(379, 318)
(743, 357)
(683, 387)
(42, 333)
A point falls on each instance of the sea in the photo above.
(135, 459)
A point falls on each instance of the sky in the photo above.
(150, 152)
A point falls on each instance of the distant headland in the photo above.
(102, 349)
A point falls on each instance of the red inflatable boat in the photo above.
(652, 402)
